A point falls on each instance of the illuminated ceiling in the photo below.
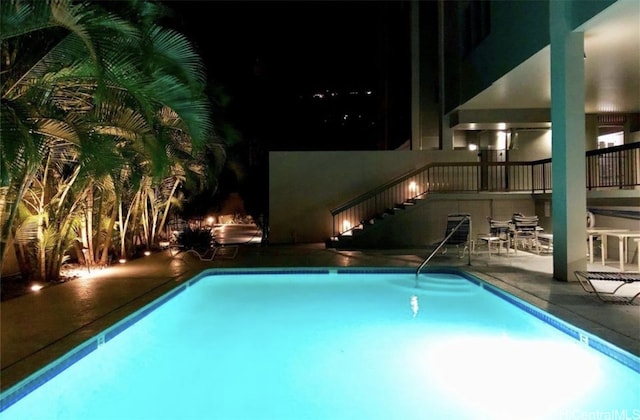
(612, 69)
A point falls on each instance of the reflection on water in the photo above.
(415, 307)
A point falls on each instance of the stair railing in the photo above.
(350, 215)
(441, 244)
(462, 177)
(614, 167)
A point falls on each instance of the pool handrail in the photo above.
(444, 241)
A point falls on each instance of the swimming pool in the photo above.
(336, 344)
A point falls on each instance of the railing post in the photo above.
(620, 171)
(533, 177)
(588, 173)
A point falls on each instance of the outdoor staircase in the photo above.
(611, 168)
(351, 238)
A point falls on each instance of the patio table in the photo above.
(601, 231)
(623, 245)
(494, 239)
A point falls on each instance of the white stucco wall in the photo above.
(531, 145)
(305, 186)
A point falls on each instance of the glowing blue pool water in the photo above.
(322, 345)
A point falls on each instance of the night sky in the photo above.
(271, 57)
(301, 43)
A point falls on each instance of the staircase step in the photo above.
(346, 240)
(444, 284)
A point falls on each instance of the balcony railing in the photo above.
(615, 167)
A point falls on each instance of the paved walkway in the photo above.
(40, 327)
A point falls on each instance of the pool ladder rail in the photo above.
(466, 218)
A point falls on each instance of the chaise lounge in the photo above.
(610, 286)
(211, 253)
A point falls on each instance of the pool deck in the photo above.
(40, 327)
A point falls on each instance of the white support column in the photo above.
(569, 199)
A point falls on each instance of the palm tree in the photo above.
(111, 109)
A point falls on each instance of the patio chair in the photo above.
(459, 238)
(610, 286)
(524, 230)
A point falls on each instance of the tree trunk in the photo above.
(89, 226)
(7, 224)
(167, 206)
(104, 258)
(26, 272)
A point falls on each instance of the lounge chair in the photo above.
(610, 286)
(211, 253)
(459, 238)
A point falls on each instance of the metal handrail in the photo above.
(617, 167)
(424, 263)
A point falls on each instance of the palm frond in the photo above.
(174, 53)
(19, 146)
(72, 17)
(60, 131)
(19, 17)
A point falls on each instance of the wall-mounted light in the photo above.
(502, 140)
(346, 225)
(473, 147)
(413, 186)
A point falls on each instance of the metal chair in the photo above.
(525, 230)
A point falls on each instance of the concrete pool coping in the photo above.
(39, 328)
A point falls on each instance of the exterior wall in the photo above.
(305, 186)
(531, 145)
(425, 104)
(591, 131)
(510, 41)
